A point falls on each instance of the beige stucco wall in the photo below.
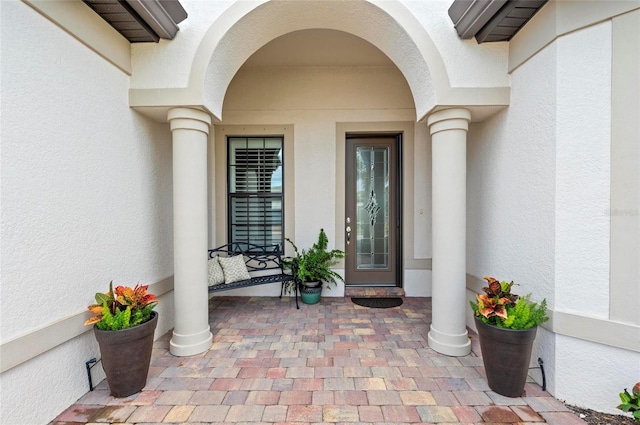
(398, 29)
(544, 176)
(86, 199)
(467, 63)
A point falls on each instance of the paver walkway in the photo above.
(329, 363)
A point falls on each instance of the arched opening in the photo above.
(325, 106)
(388, 26)
(316, 80)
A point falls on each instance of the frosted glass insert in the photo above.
(372, 205)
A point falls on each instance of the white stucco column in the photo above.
(448, 334)
(190, 130)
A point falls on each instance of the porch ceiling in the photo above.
(318, 47)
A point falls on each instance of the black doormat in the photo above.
(378, 302)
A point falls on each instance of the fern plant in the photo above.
(501, 308)
(313, 264)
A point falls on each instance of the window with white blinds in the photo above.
(256, 196)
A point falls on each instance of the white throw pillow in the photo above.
(234, 268)
(216, 275)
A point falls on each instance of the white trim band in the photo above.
(25, 347)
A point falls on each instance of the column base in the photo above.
(189, 345)
(450, 344)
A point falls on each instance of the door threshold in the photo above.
(373, 291)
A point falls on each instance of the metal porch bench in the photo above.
(264, 264)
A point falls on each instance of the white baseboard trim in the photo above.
(25, 347)
(603, 331)
(594, 329)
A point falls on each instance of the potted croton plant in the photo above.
(507, 325)
(124, 324)
(631, 402)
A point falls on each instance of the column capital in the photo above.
(449, 119)
(189, 119)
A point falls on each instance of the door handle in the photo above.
(348, 229)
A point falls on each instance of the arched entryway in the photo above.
(223, 49)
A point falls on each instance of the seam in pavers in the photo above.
(436, 414)
(174, 398)
(179, 414)
(149, 414)
(497, 414)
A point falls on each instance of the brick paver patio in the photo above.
(333, 363)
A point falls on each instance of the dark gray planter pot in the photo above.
(506, 354)
(126, 355)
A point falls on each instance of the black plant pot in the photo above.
(506, 354)
(126, 355)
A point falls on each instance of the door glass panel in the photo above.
(372, 200)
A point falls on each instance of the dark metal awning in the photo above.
(141, 21)
(492, 20)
